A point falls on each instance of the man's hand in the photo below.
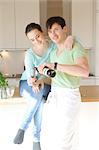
(41, 67)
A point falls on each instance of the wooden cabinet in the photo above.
(82, 21)
(14, 16)
(90, 93)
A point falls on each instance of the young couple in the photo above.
(68, 58)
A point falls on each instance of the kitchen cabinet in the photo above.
(97, 43)
(82, 21)
(97, 5)
(90, 93)
(14, 17)
(26, 11)
(7, 26)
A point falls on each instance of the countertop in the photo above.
(88, 94)
(12, 76)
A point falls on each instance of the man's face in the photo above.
(57, 34)
(36, 37)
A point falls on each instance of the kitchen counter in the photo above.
(88, 94)
(7, 76)
(13, 101)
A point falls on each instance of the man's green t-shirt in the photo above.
(67, 57)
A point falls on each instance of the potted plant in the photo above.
(3, 86)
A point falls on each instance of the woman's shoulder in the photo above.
(29, 52)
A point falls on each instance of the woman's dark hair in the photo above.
(31, 27)
(55, 19)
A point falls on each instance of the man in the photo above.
(62, 106)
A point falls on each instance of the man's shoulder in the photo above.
(77, 46)
(78, 50)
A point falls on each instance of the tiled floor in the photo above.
(10, 117)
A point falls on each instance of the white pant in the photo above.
(59, 119)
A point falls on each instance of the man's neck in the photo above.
(60, 46)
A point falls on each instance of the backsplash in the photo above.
(12, 62)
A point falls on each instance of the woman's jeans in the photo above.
(34, 107)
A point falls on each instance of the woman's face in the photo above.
(37, 38)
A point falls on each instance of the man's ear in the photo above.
(65, 29)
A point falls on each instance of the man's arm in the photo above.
(80, 68)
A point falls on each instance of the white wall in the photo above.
(12, 62)
(82, 21)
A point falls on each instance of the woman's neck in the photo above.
(40, 51)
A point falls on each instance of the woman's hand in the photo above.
(31, 81)
(37, 85)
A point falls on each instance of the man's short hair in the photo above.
(55, 19)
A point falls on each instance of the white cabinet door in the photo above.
(26, 11)
(82, 21)
(7, 27)
(14, 16)
(97, 5)
(97, 46)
